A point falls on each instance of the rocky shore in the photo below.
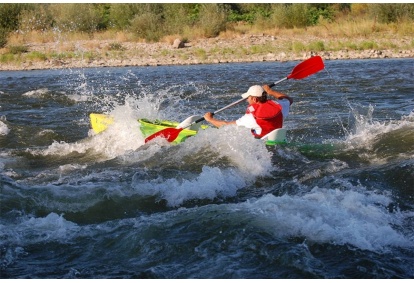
(101, 53)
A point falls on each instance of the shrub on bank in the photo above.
(162, 19)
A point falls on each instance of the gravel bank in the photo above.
(246, 48)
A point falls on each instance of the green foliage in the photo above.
(152, 21)
(392, 13)
(6, 58)
(9, 20)
(367, 45)
(90, 55)
(73, 17)
(9, 14)
(179, 16)
(147, 26)
(200, 53)
(316, 46)
(120, 15)
(301, 14)
(3, 37)
(317, 11)
(35, 17)
(290, 15)
(249, 12)
(212, 19)
(18, 49)
(103, 12)
(351, 46)
(298, 46)
(62, 56)
(36, 55)
(360, 46)
(261, 49)
(115, 46)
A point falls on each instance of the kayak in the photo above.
(100, 122)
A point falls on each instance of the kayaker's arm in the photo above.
(217, 123)
(277, 94)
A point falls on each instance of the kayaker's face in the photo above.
(251, 100)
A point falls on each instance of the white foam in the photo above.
(122, 136)
(4, 130)
(330, 216)
(36, 93)
(250, 155)
(209, 184)
(235, 160)
(33, 230)
(366, 129)
(117, 140)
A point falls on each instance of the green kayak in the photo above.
(100, 122)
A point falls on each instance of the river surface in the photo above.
(335, 202)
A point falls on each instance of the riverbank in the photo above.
(244, 48)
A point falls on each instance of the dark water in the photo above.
(336, 202)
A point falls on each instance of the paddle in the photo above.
(304, 69)
(301, 71)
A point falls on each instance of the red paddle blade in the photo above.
(170, 134)
(307, 68)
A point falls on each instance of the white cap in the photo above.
(255, 90)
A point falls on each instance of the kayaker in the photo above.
(262, 115)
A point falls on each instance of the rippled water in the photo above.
(335, 202)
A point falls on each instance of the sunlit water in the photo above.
(335, 202)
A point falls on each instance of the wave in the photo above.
(38, 93)
(324, 216)
(4, 130)
(371, 140)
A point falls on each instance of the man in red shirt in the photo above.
(262, 115)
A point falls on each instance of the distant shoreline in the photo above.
(199, 52)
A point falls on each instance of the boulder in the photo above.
(178, 44)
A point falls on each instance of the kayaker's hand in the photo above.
(267, 88)
(208, 116)
(276, 94)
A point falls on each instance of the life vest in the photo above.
(268, 116)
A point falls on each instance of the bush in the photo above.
(115, 46)
(316, 46)
(318, 11)
(76, 17)
(121, 15)
(368, 45)
(200, 53)
(37, 17)
(392, 13)
(9, 14)
(249, 12)
(147, 26)
(359, 9)
(36, 55)
(177, 17)
(300, 15)
(6, 58)
(298, 46)
(3, 37)
(18, 49)
(212, 19)
(290, 15)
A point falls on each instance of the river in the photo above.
(335, 202)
